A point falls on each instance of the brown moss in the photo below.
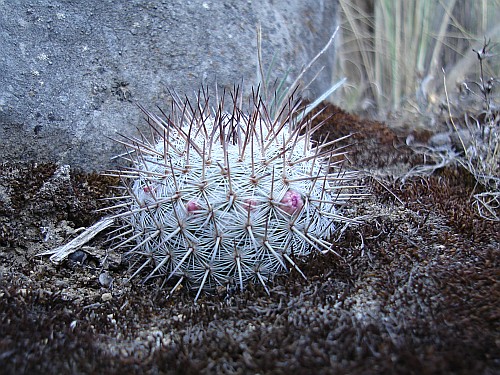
(414, 291)
(89, 189)
(372, 144)
(34, 195)
(449, 193)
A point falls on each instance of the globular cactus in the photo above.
(229, 196)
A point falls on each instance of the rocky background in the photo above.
(71, 71)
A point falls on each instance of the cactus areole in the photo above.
(218, 196)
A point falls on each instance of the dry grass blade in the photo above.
(392, 51)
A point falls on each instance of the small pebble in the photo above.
(107, 297)
(105, 279)
(78, 257)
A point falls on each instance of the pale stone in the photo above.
(71, 72)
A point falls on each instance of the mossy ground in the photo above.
(415, 291)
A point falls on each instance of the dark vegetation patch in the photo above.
(375, 145)
(33, 195)
(414, 290)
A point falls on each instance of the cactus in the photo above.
(216, 197)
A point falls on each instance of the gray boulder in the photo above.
(72, 71)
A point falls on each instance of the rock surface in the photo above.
(70, 72)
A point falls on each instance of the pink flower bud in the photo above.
(192, 206)
(291, 202)
(149, 189)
